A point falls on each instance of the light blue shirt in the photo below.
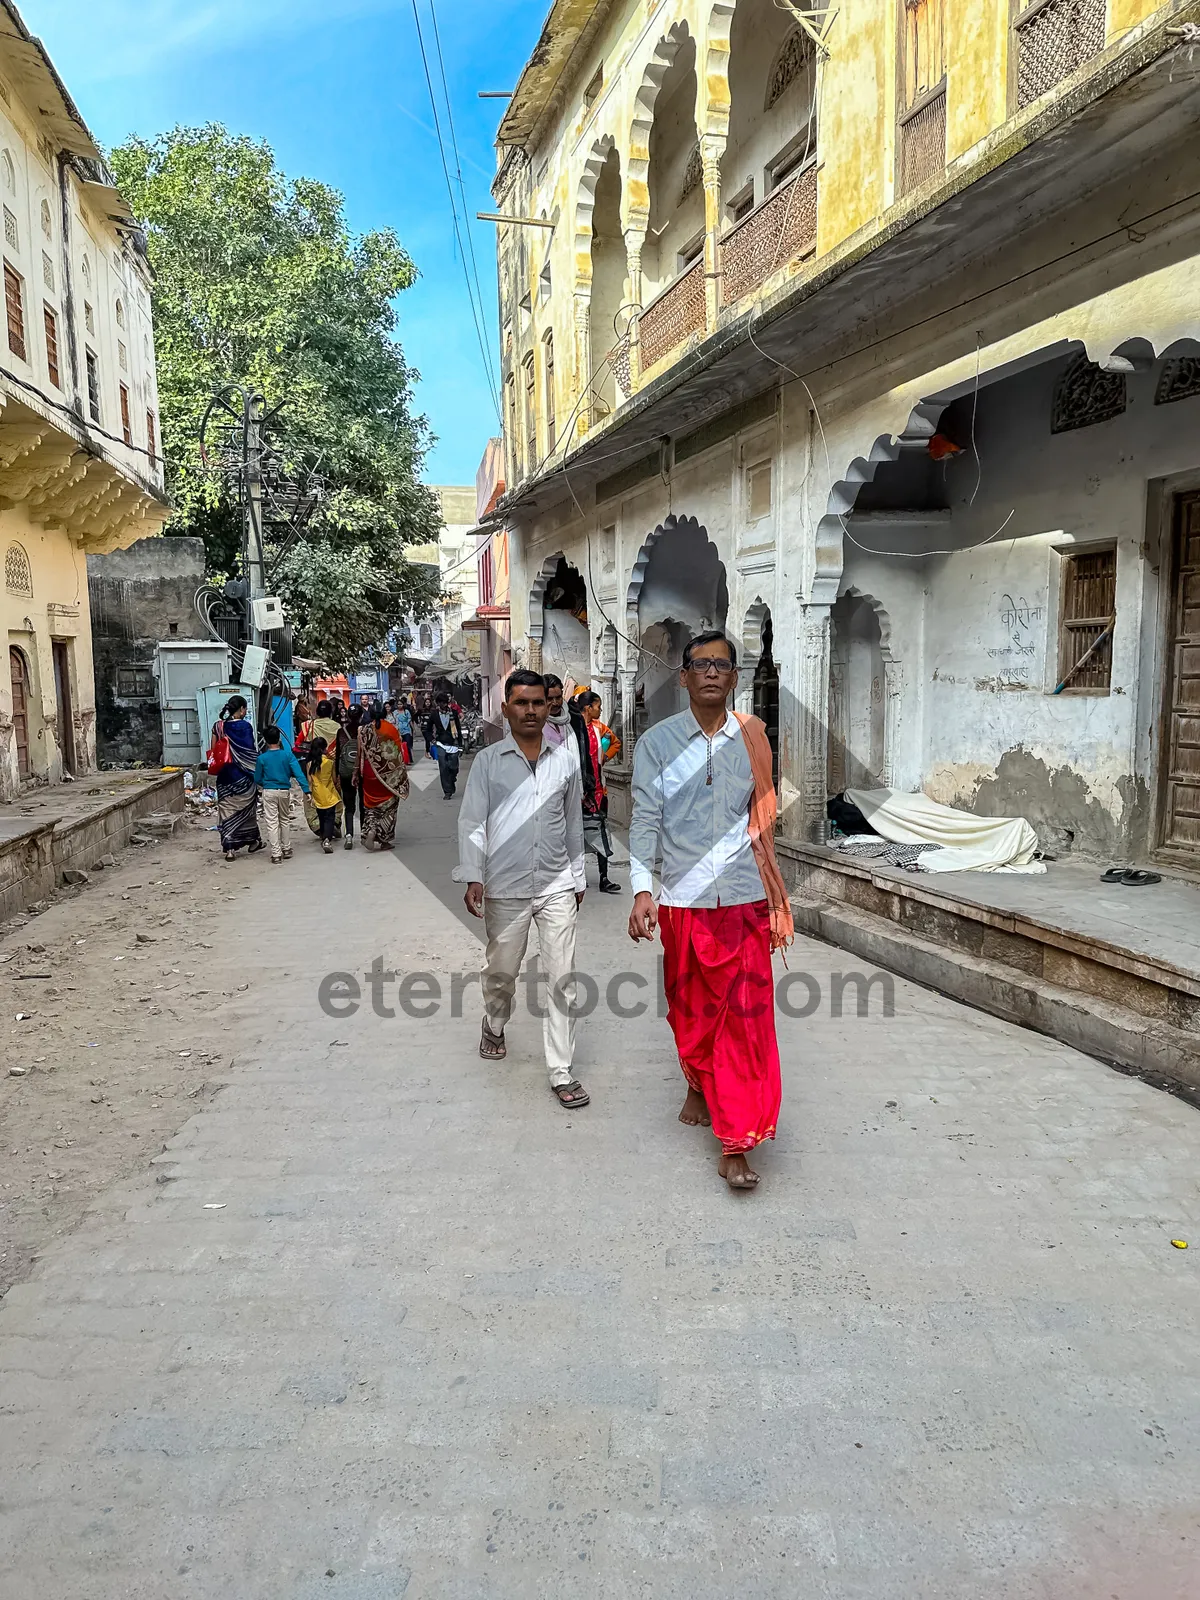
(700, 830)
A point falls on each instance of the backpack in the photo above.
(347, 756)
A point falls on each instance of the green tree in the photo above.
(258, 281)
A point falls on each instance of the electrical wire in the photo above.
(477, 315)
(437, 40)
(907, 555)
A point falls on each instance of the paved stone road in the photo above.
(443, 1340)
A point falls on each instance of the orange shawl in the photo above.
(762, 830)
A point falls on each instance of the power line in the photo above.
(437, 40)
(476, 313)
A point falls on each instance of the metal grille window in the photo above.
(122, 356)
(1054, 37)
(151, 439)
(50, 322)
(15, 312)
(47, 272)
(93, 385)
(126, 425)
(11, 237)
(551, 435)
(1089, 606)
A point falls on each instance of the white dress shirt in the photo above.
(520, 828)
(700, 829)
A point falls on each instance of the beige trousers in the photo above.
(507, 923)
(277, 814)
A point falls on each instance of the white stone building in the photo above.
(920, 455)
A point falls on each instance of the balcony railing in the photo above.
(923, 139)
(1054, 37)
(674, 316)
(782, 227)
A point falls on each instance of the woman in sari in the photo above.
(237, 795)
(382, 777)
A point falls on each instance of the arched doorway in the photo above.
(18, 669)
(765, 697)
(678, 590)
(857, 697)
(566, 643)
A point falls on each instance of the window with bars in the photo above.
(126, 424)
(47, 272)
(151, 439)
(551, 432)
(93, 385)
(14, 310)
(135, 683)
(50, 322)
(11, 237)
(1089, 606)
(922, 132)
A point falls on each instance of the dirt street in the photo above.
(107, 1002)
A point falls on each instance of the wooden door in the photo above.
(20, 708)
(62, 694)
(1181, 729)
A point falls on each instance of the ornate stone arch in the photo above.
(637, 577)
(750, 647)
(636, 199)
(795, 53)
(714, 91)
(537, 595)
(585, 205)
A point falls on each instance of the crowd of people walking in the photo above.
(347, 767)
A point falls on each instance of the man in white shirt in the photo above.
(520, 844)
(704, 801)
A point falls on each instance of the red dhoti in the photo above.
(721, 1006)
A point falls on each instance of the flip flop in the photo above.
(1133, 879)
(1114, 875)
(491, 1045)
(571, 1095)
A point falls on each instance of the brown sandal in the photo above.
(571, 1095)
(491, 1045)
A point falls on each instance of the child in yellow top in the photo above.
(326, 795)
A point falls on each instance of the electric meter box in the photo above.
(254, 665)
(268, 613)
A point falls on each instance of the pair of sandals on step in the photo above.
(1131, 877)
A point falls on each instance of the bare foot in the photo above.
(695, 1110)
(737, 1174)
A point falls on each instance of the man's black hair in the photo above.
(523, 679)
(271, 734)
(443, 699)
(552, 681)
(712, 636)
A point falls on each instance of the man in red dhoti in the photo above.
(704, 801)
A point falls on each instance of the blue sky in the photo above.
(337, 89)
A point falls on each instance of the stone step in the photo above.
(1158, 1052)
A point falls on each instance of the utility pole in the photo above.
(254, 559)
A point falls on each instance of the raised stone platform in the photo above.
(1111, 970)
(70, 826)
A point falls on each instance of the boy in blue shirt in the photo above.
(273, 773)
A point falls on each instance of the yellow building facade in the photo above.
(80, 461)
(802, 306)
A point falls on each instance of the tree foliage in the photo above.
(259, 282)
